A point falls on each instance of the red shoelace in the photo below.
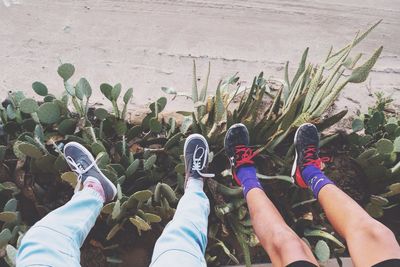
(310, 153)
(244, 155)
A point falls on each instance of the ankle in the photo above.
(248, 178)
(95, 185)
(315, 179)
(194, 184)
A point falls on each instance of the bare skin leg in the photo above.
(278, 239)
(368, 240)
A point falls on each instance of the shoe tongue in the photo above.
(83, 163)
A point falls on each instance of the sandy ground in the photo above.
(146, 44)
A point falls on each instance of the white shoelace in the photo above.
(197, 166)
(78, 169)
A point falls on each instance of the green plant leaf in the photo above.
(155, 125)
(70, 177)
(101, 113)
(8, 216)
(11, 256)
(143, 195)
(39, 88)
(49, 113)
(140, 224)
(378, 200)
(357, 125)
(396, 145)
(323, 234)
(322, 251)
(116, 210)
(66, 71)
(29, 105)
(114, 230)
(106, 89)
(374, 210)
(30, 150)
(132, 168)
(276, 177)
(186, 123)
(148, 164)
(195, 96)
(168, 193)
(203, 93)
(128, 95)
(108, 208)
(174, 140)
(5, 236)
(152, 218)
(384, 146)
(360, 74)
(116, 91)
(67, 126)
(69, 88)
(121, 127)
(83, 88)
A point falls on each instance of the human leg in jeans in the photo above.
(369, 241)
(56, 239)
(281, 243)
(184, 240)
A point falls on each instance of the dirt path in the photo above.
(149, 44)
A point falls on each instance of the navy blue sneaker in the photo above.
(306, 142)
(81, 161)
(195, 153)
(237, 148)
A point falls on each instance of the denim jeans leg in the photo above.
(56, 239)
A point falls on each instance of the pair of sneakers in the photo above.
(306, 141)
(196, 153)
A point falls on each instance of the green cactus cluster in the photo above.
(146, 164)
(375, 145)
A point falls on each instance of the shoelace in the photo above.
(244, 155)
(312, 157)
(197, 163)
(78, 169)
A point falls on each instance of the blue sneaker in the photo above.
(81, 161)
(196, 152)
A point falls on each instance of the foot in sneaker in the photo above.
(195, 153)
(241, 156)
(81, 161)
(307, 164)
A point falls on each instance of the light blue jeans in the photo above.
(56, 239)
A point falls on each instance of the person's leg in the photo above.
(56, 239)
(369, 241)
(282, 244)
(184, 240)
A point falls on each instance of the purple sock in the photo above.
(315, 179)
(248, 178)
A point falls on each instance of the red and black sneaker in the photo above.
(237, 148)
(306, 142)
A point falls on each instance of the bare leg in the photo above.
(281, 243)
(278, 239)
(369, 241)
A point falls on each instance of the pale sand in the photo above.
(149, 44)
